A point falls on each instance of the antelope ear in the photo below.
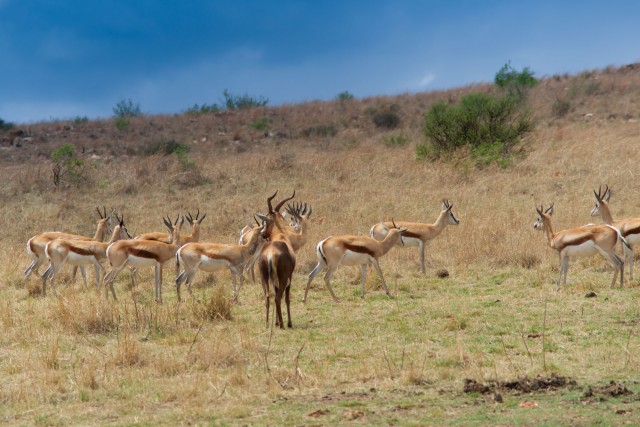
(203, 216)
(608, 194)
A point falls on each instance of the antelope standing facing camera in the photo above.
(418, 234)
(583, 241)
(353, 250)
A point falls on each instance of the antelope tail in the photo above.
(622, 239)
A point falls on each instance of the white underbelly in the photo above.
(409, 241)
(135, 261)
(211, 265)
(354, 258)
(583, 250)
(77, 259)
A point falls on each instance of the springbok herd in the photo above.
(273, 243)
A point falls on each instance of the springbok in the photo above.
(81, 253)
(166, 237)
(211, 257)
(418, 234)
(37, 244)
(353, 250)
(629, 227)
(583, 241)
(138, 253)
(277, 261)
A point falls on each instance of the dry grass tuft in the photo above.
(128, 351)
(220, 304)
(87, 314)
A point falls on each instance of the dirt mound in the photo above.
(473, 386)
(527, 385)
(612, 389)
(522, 385)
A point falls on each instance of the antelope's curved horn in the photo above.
(282, 202)
(269, 199)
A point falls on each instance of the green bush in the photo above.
(242, 102)
(425, 151)
(68, 169)
(516, 83)
(385, 116)
(344, 96)
(320, 130)
(5, 126)
(126, 108)
(396, 140)
(122, 123)
(261, 124)
(167, 148)
(485, 124)
(203, 109)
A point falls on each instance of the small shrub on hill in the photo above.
(122, 123)
(127, 108)
(344, 96)
(320, 130)
(387, 116)
(396, 140)
(68, 169)
(166, 148)
(5, 126)
(516, 83)
(261, 124)
(243, 102)
(203, 109)
(488, 126)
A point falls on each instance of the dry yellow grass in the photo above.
(78, 359)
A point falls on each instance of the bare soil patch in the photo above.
(613, 389)
(521, 385)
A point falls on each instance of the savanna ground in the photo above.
(76, 358)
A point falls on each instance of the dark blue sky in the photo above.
(62, 59)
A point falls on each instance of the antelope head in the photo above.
(601, 199)
(402, 231)
(539, 224)
(273, 217)
(446, 207)
(197, 220)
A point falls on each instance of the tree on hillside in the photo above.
(488, 125)
(516, 83)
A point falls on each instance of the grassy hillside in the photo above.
(78, 359)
